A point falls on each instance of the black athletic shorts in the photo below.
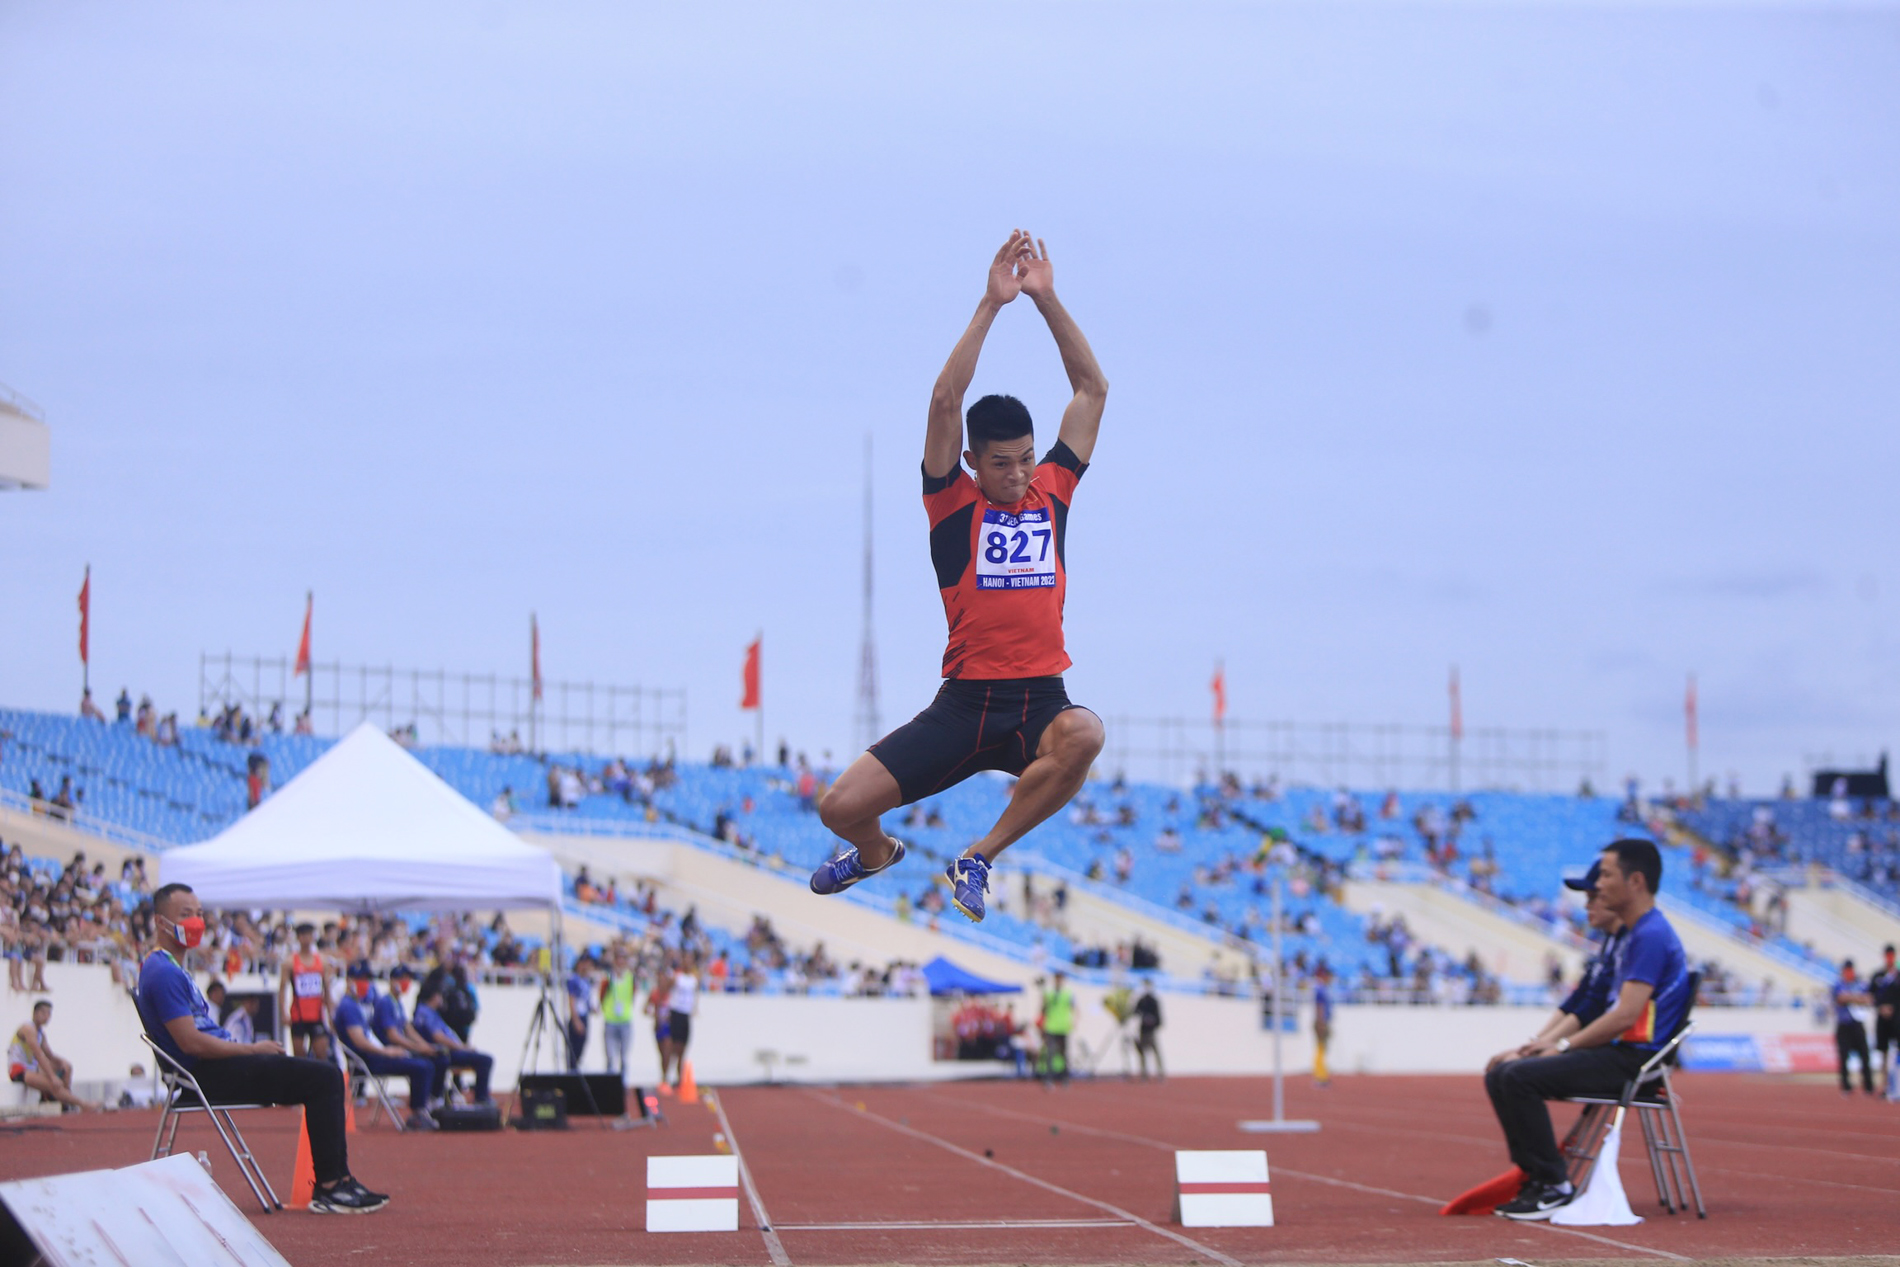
(971, 726)
(679, 1028)
(1886, 1032)
(307, 1029)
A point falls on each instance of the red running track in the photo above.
(1010, 1173)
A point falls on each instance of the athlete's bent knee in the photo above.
(835, 809)
(1078, 734)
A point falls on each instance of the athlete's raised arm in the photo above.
(943, 441)
(1083, 418)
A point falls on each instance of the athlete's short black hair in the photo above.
(1637, 856)
(995, 418)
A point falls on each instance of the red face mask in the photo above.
(361, 988)
(190, 931)
(400, 986)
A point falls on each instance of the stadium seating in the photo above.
(187, 793)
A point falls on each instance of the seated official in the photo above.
(460, 1055)
(352, 1026)
(390, 1021)
(1591, 997)
(178, 1019)
(1649, 997)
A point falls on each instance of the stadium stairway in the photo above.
(1509, 945)
(42, 836)
(1099, 914)
(1708, 937)
(727, 893)
(1841, 921)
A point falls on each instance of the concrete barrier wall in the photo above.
(829, 1040)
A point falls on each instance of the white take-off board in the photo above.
(165, 1211)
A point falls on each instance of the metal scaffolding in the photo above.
(470, 710)
(1177, 749)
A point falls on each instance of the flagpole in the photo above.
(310, 668)
(1690, 711)
(1457, 727)
(85, 633)
(759, 718)
(1220, 723)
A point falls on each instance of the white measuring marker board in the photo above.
(1224, 1189)
(693, 1194)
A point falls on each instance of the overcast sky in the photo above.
(1560, 343)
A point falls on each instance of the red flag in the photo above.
(85, 618)
(1219, 687)
(1689, 711)
(752, 692)
(534, 641)
(303, 643)
(1457, 707)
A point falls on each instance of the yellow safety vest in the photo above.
(618, 1008)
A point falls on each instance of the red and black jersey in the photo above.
(1002, 570)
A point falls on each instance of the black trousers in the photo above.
(315, 1084)
(1519, 1088)
(576, 1044)
(1850, 1039)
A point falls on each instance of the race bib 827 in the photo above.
(1016, 551)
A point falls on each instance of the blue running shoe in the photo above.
(969, 880)
(845, 870)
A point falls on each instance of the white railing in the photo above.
(83, 820)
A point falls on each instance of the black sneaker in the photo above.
(1537, 1201)
(346, 1196)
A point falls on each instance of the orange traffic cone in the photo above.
(303, 1183)
(689, 1090)
(1488, 1195)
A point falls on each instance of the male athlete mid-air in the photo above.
(997, 542)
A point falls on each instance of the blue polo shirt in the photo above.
(1843, 1010)
(1651, 953)
(167, 992)
(349, 1012)
(581, 996)
(430, 1025)
(1591, 998)
(389, 1017)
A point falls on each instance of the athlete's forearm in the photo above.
(1078, 358)
(961, 367)
(945, 439)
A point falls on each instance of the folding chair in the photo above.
(1653, 1097)
(184, 1095)
(358, 1068)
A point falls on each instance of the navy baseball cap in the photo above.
(360, 971)
(1587, 881)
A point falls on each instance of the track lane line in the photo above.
(773, 1245)
(1307, 1174)
(929, 1225)
(1109, 1207)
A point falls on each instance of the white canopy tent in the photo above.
(367, 828)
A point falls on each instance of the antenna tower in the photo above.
(869, 732)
